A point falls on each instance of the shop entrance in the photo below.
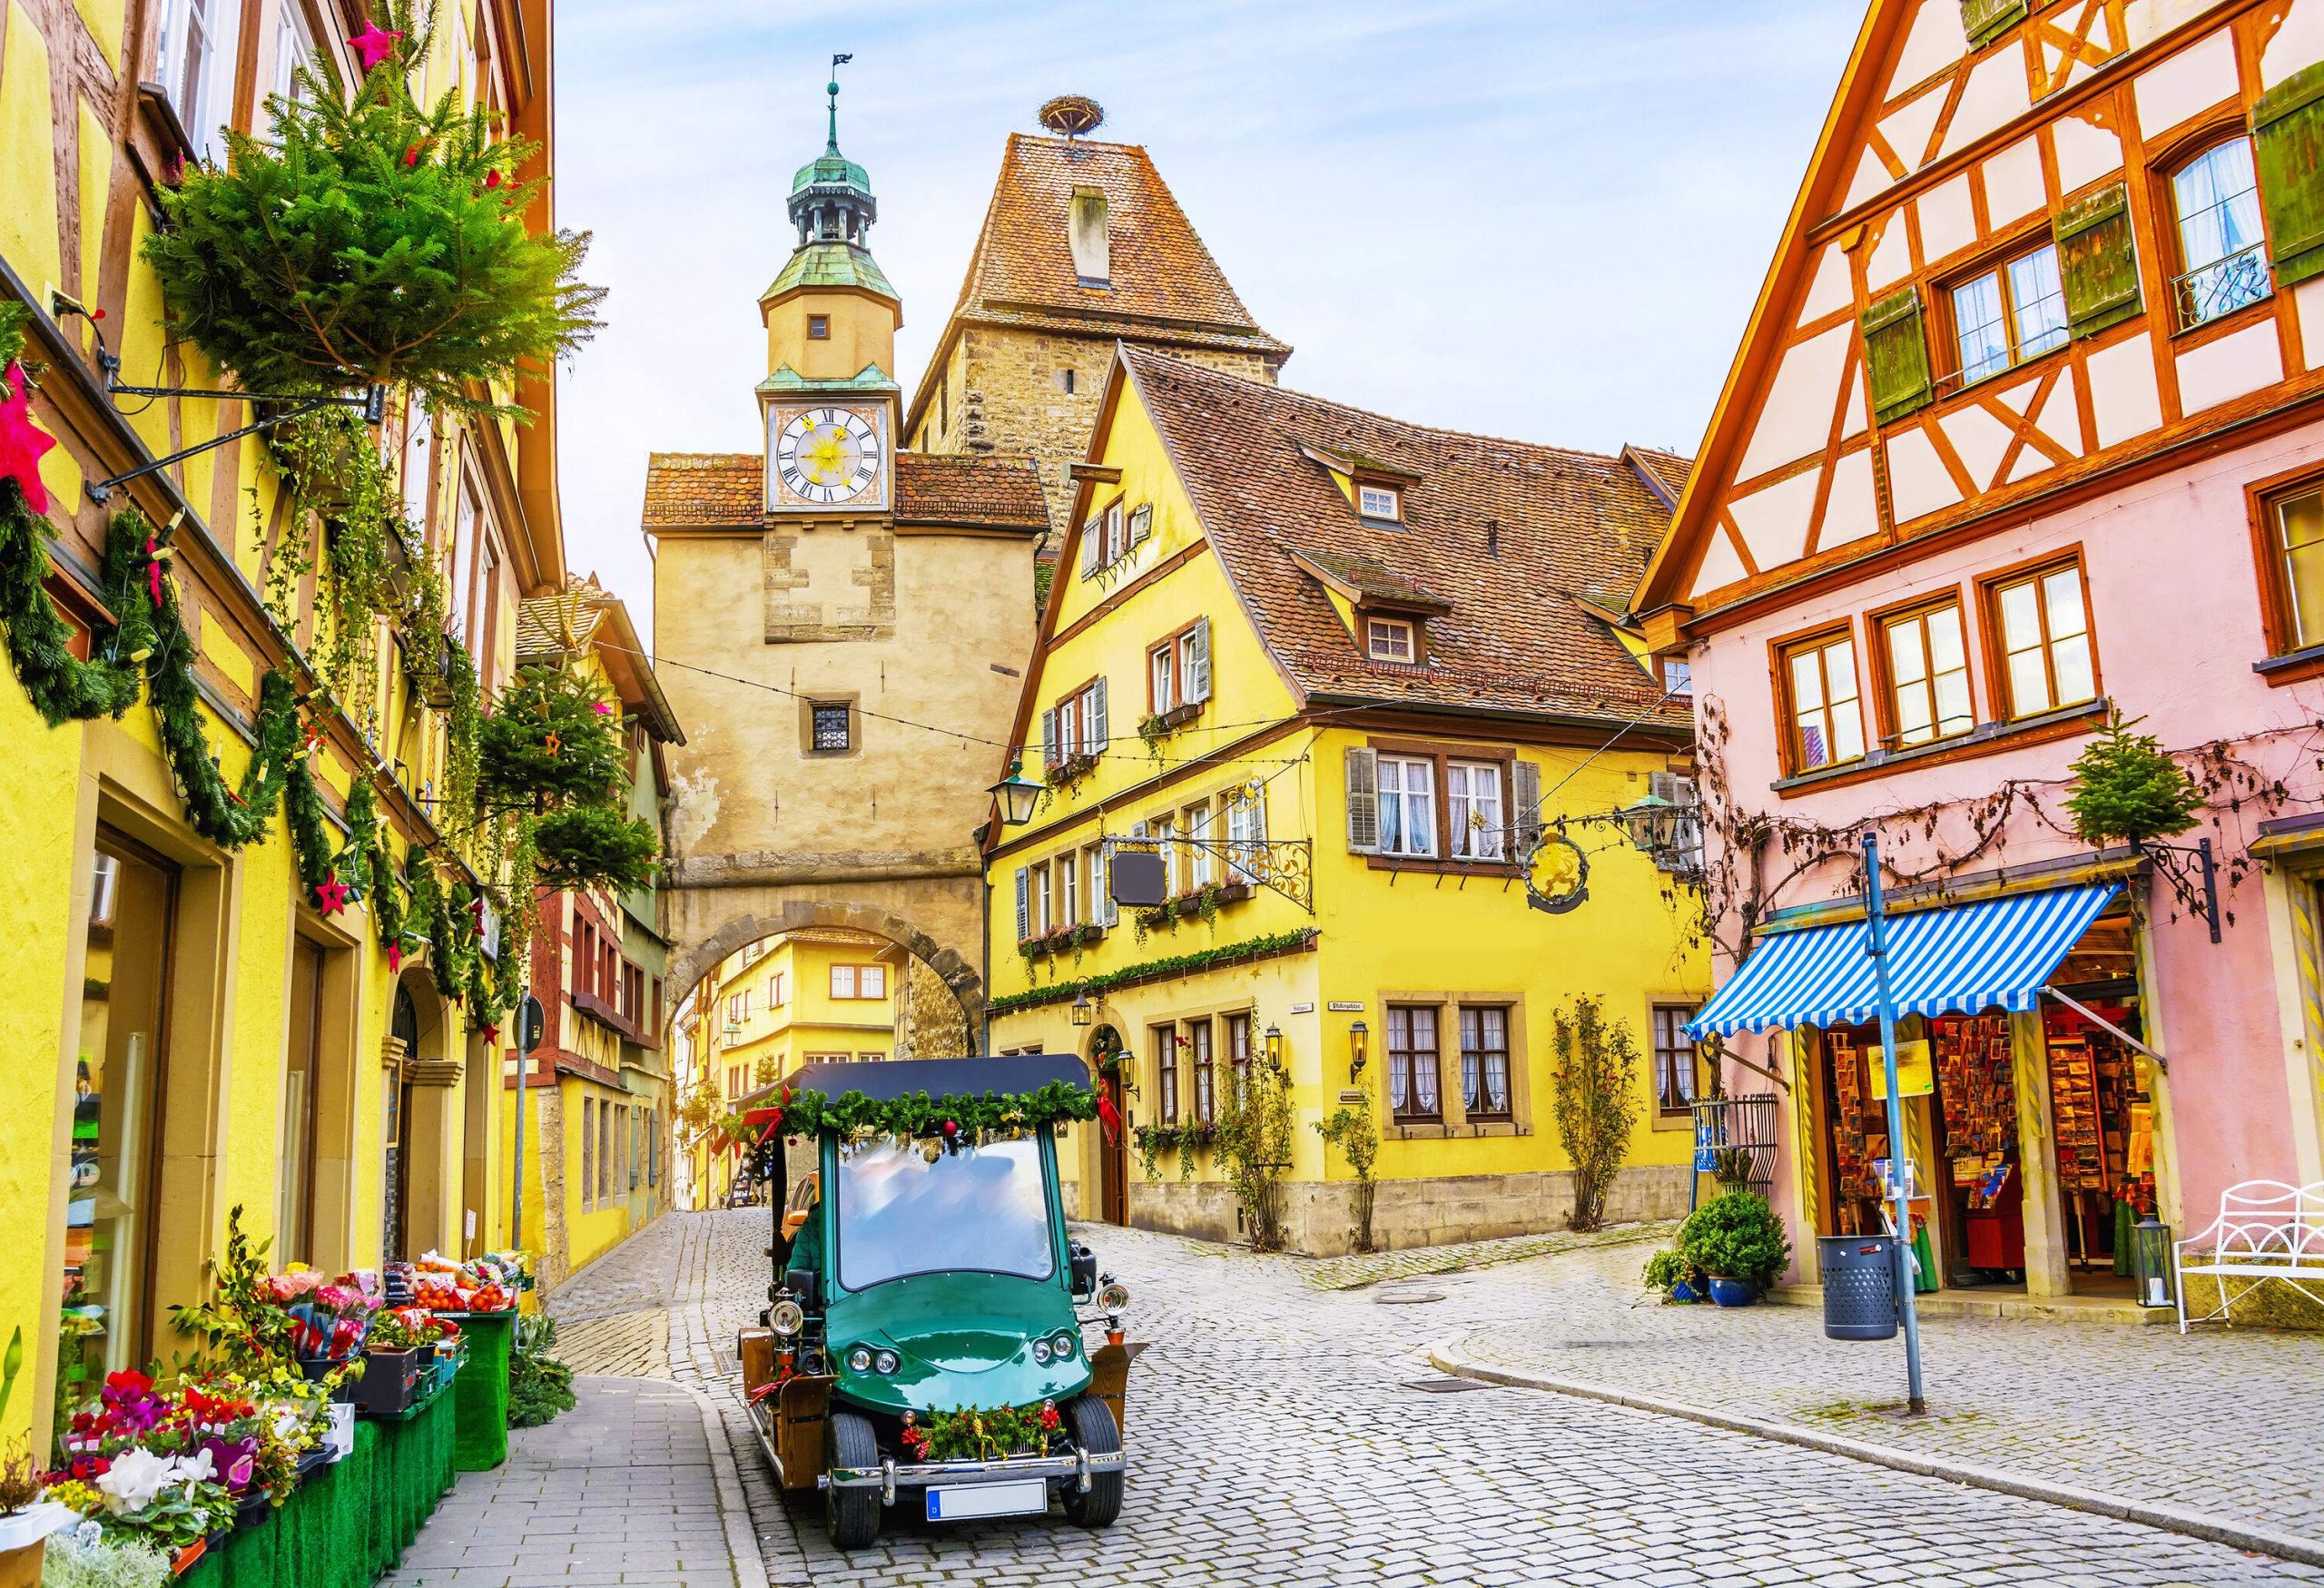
(1979, 1092)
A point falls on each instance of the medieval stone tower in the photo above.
(839, 624)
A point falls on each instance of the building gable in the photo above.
(1978, 299)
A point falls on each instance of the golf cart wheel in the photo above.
(1091, 1421)
(851, 1516)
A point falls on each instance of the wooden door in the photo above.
(1114, 1159)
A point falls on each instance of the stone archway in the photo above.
(694, 961)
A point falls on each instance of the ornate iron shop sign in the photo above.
(1556, 874)
(1285, 866)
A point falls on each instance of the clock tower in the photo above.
(830, 400)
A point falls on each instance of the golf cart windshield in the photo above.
(981, 1210)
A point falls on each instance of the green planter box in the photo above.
(349, 1523)
(480, 1392)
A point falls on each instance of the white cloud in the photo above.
(1545, 220)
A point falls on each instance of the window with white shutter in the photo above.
(1101, 886)
(1094, 733)
(1141, 523)
(1194, 656)
(1048, 738)
(1525, 802)
(1363, 801)
(1024, 904)
(1093, 545)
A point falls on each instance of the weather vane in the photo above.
(831, 88)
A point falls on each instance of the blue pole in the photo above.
(1876, 945)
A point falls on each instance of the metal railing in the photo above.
(2223, 286)
(1735, 1132)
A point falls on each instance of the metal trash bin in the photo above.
(1859, 1285)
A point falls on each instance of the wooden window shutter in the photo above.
(2098, 260)
(1363, 801)
(1099, 735)
(1896, 355)
(2288, 149)
(1986, 20)
(1024, 905)
(1525, 804)
(1196, 685)
(1048, 737)
(1141, 523)
(1093, 542)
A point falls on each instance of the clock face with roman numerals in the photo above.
(826, 456)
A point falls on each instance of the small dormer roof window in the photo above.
(1091, 236)
(1390, 639)
(1385, 502)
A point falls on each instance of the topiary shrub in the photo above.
(1736, 1235)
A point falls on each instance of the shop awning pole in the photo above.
(1899, 1160)
(2096, 1019)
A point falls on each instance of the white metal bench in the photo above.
(2266, 1229)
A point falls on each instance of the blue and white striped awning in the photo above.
(1959, 959)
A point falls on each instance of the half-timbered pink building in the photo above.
(2026, 430)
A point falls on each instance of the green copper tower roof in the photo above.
(834, 266)
(831, 196)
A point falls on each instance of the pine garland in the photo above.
(971, 1434)
(1257, 948)
(595, 847)
(953, 1119)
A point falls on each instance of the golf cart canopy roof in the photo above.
(1006, 1073)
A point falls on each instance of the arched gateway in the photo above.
(838, 625)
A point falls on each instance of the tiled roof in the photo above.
(1163, 286)
(1361, 576)
(583, 615)
(1666, 472)
(720, 490)
(1506, 531)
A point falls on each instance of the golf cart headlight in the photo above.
(1041, 1352)
(785, 1319)
(887, 1362)
(1113, 1296)
(858, 1360)
(1064, 1346)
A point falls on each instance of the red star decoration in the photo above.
(372, 47)
(490, 1032)
(22, 442)
(332, 896)
(154, 569)
(395, 958)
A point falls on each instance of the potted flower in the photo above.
(26, 1520)
(390, 1378)
(1737, 1240)
(1681, 1282)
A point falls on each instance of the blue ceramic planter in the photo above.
(1684, 1290)
(1733, 1292)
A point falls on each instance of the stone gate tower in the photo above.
(838, 624)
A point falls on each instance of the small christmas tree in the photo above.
(2127, 790)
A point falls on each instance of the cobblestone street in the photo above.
(1277, 1436)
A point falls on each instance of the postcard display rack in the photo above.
(1859, 1135)
(1974, 1085)
(2104, 1155)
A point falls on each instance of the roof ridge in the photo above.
(1273, 388)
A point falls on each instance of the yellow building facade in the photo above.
(1339, 676)
(190, 1028)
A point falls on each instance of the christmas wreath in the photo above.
(970, 1435)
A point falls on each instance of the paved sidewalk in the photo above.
(625, 1489)
(1366, 1268)
(2223, 1424)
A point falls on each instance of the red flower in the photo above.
(1049, 1419)
(492, 178)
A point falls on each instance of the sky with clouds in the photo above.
(1542, 219)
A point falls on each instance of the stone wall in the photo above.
(1319, 1218)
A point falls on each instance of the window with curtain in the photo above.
(1485, 1060)
(1199, 1051)
(1238, 1053)
(1413, 1063)
(1407, 805)
(2047, 660)
(2222, 247)
(1200, 871)
(1827, 715)
(1166, 1068)
(1473, 798)
(2013, 313)
(1674, 1058)
(1928, 674)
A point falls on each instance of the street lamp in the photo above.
(1652, 823)
(1275, 1047)
(1017, 795)
(1083, 1010)
(1359, 1042)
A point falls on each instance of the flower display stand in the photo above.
(480, 1393)
(349, 1522)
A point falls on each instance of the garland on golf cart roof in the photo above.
(952, 1119)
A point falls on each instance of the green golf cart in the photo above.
(922, 1343)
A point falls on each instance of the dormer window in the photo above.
(1389, 639)
(1379, 501)
(819, 328)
